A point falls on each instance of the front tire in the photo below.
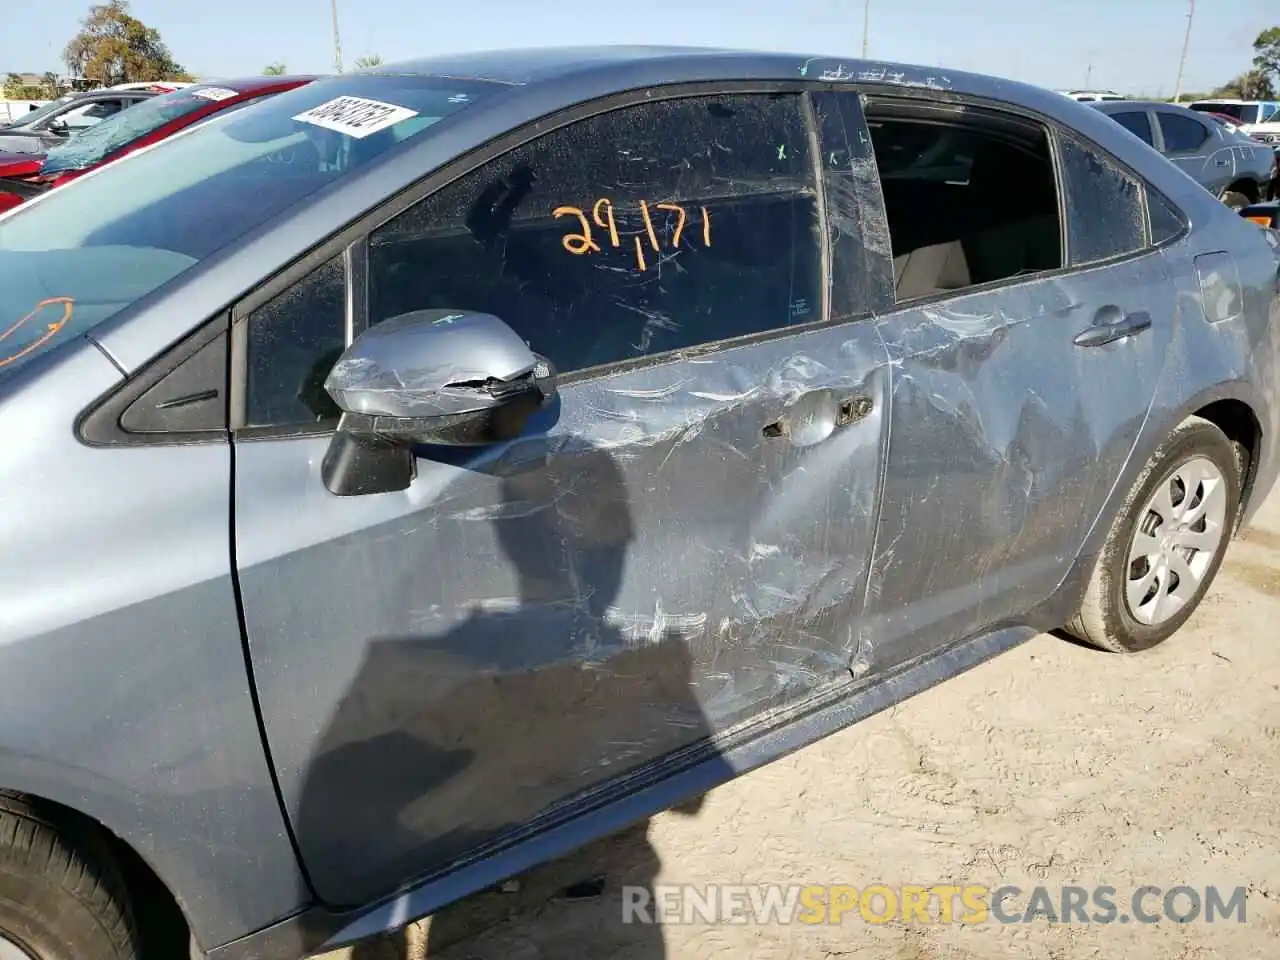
(62, 896)
(1166, 545)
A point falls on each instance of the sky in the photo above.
(1131, 46)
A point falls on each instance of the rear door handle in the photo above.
(1111, 324)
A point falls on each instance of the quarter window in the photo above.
(1104, 205)
(646, 229)
(1166, 221)
(1181, 133)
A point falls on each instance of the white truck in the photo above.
(1260, 119)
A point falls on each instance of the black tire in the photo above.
(1235, 200)
(1104, 619)
(62, 896)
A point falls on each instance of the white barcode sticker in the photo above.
(355, 116)
(214, 93)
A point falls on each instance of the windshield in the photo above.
(93, 247)
(96, 143)
(35, 116)
(1243, 112)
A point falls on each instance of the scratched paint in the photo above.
(864, 72)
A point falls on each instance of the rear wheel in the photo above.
(1167, 544)
(62, 896)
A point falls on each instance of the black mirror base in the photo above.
(356, 465)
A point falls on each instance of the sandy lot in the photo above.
(1051, 765)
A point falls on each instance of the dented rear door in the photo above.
(1015, 409)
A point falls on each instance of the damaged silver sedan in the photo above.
(431, 469)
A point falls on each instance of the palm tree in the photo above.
(372, 60)
(274, 70)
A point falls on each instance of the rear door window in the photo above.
(1136, 122)
(970, 199)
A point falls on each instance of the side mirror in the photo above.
(428, 377)
(58, 126)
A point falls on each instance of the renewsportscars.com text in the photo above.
(834, 904)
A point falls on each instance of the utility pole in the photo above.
(1088, 77)
(337, 43)
(866, 25)
(1182, 61)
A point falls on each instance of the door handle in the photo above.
(1221, 163)
(814, 417)
(1111, 324)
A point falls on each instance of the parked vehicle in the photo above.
(1226, 120)
(1231, 167)
(54, 123)
(1258, 118)
(161, 117)
(376, 525)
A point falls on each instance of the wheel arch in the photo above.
(163, 925)
(1232, 408)
(1239, 421)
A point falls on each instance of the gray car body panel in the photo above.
(123, 690)
(91, 571)
(1225, 158)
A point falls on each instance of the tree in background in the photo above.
(16, 88)
(115, 47)
(1251, 85)
(372, 60)
(274, 70)
(1266, 55)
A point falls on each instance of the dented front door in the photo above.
(684, 549)
(677, 549)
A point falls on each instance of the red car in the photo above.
(23, 176)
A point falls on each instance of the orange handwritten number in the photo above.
(605, 204)
(575, 243)
(602, 215)
(675, 240)
(648, 225)
(640, 256)
(51, 331)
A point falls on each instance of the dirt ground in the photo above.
(1050, 765)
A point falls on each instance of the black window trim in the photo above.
(353, 239)
(99, 424)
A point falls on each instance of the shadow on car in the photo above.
(419, 760)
